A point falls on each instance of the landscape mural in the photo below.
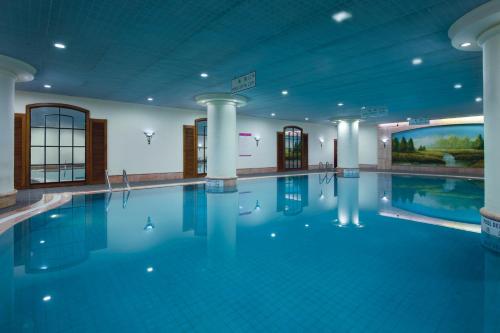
(450, 146)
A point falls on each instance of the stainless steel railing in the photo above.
(126, 183)
(108, 183)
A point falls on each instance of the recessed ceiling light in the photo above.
(150, 269)
(273, 235)
(340, 104)
(341, 16)
(47, 86)
(151, 99)
(306, 119)
(284, 92)
(417, 61)
(457, 86)
(204, 75)
(273, 114)
(59, 45)
(363, 108)
(47, 298)
(479, 99)
(466, 44)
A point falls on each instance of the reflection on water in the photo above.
(348, 206)
(448, 198)
(181, 259)
(293, 194)
(62, 238)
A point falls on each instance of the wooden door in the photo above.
(335, 161)
(280, 153)
(19, 151)
(305, 151)
(98, 151)
(189, 151)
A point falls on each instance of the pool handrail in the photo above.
(108, 183)
(126, 183)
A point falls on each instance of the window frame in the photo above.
(29, 109)
(204, 148)
(298, 153)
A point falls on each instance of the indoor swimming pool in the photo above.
(315, 253)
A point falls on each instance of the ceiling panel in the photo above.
(127, 50)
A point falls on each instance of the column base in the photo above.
(490, 230)
(348, 172)
(222, 185)
(8, 199)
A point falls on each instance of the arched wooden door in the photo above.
(292, 149)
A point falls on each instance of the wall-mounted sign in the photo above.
(245, 144)
(419, 121)
(374, 112)
(243, 82)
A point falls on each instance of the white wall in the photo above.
(265, 154)
(127, 147)
(368, 145)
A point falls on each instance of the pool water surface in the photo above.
(311, 253)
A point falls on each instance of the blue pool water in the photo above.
(290, 254)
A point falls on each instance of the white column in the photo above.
(11, 71)
(348, 146)
(491, 295)
(480, 29)
(222, 144)
(491, 104)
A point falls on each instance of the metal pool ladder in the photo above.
(126, 183)
(108, 183)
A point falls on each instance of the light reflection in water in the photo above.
(202, 244)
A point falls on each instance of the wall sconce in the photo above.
(257, 139)
(385, 140)
(321, 141)
(149, 135)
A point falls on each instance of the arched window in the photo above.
(58, 140)
(293, 147)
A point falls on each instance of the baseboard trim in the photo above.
(477, 172)
(146, 177)
(368, 167)
(250, 171)
(8, 199)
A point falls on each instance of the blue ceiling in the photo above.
(127, 50)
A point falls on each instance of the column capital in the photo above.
(470, 31)
(204, 99)
(346, 119)
(21, 71)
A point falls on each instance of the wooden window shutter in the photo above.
(98, 151)
(305, 151)
(19, 150)
(189, 155)
(280, 144)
